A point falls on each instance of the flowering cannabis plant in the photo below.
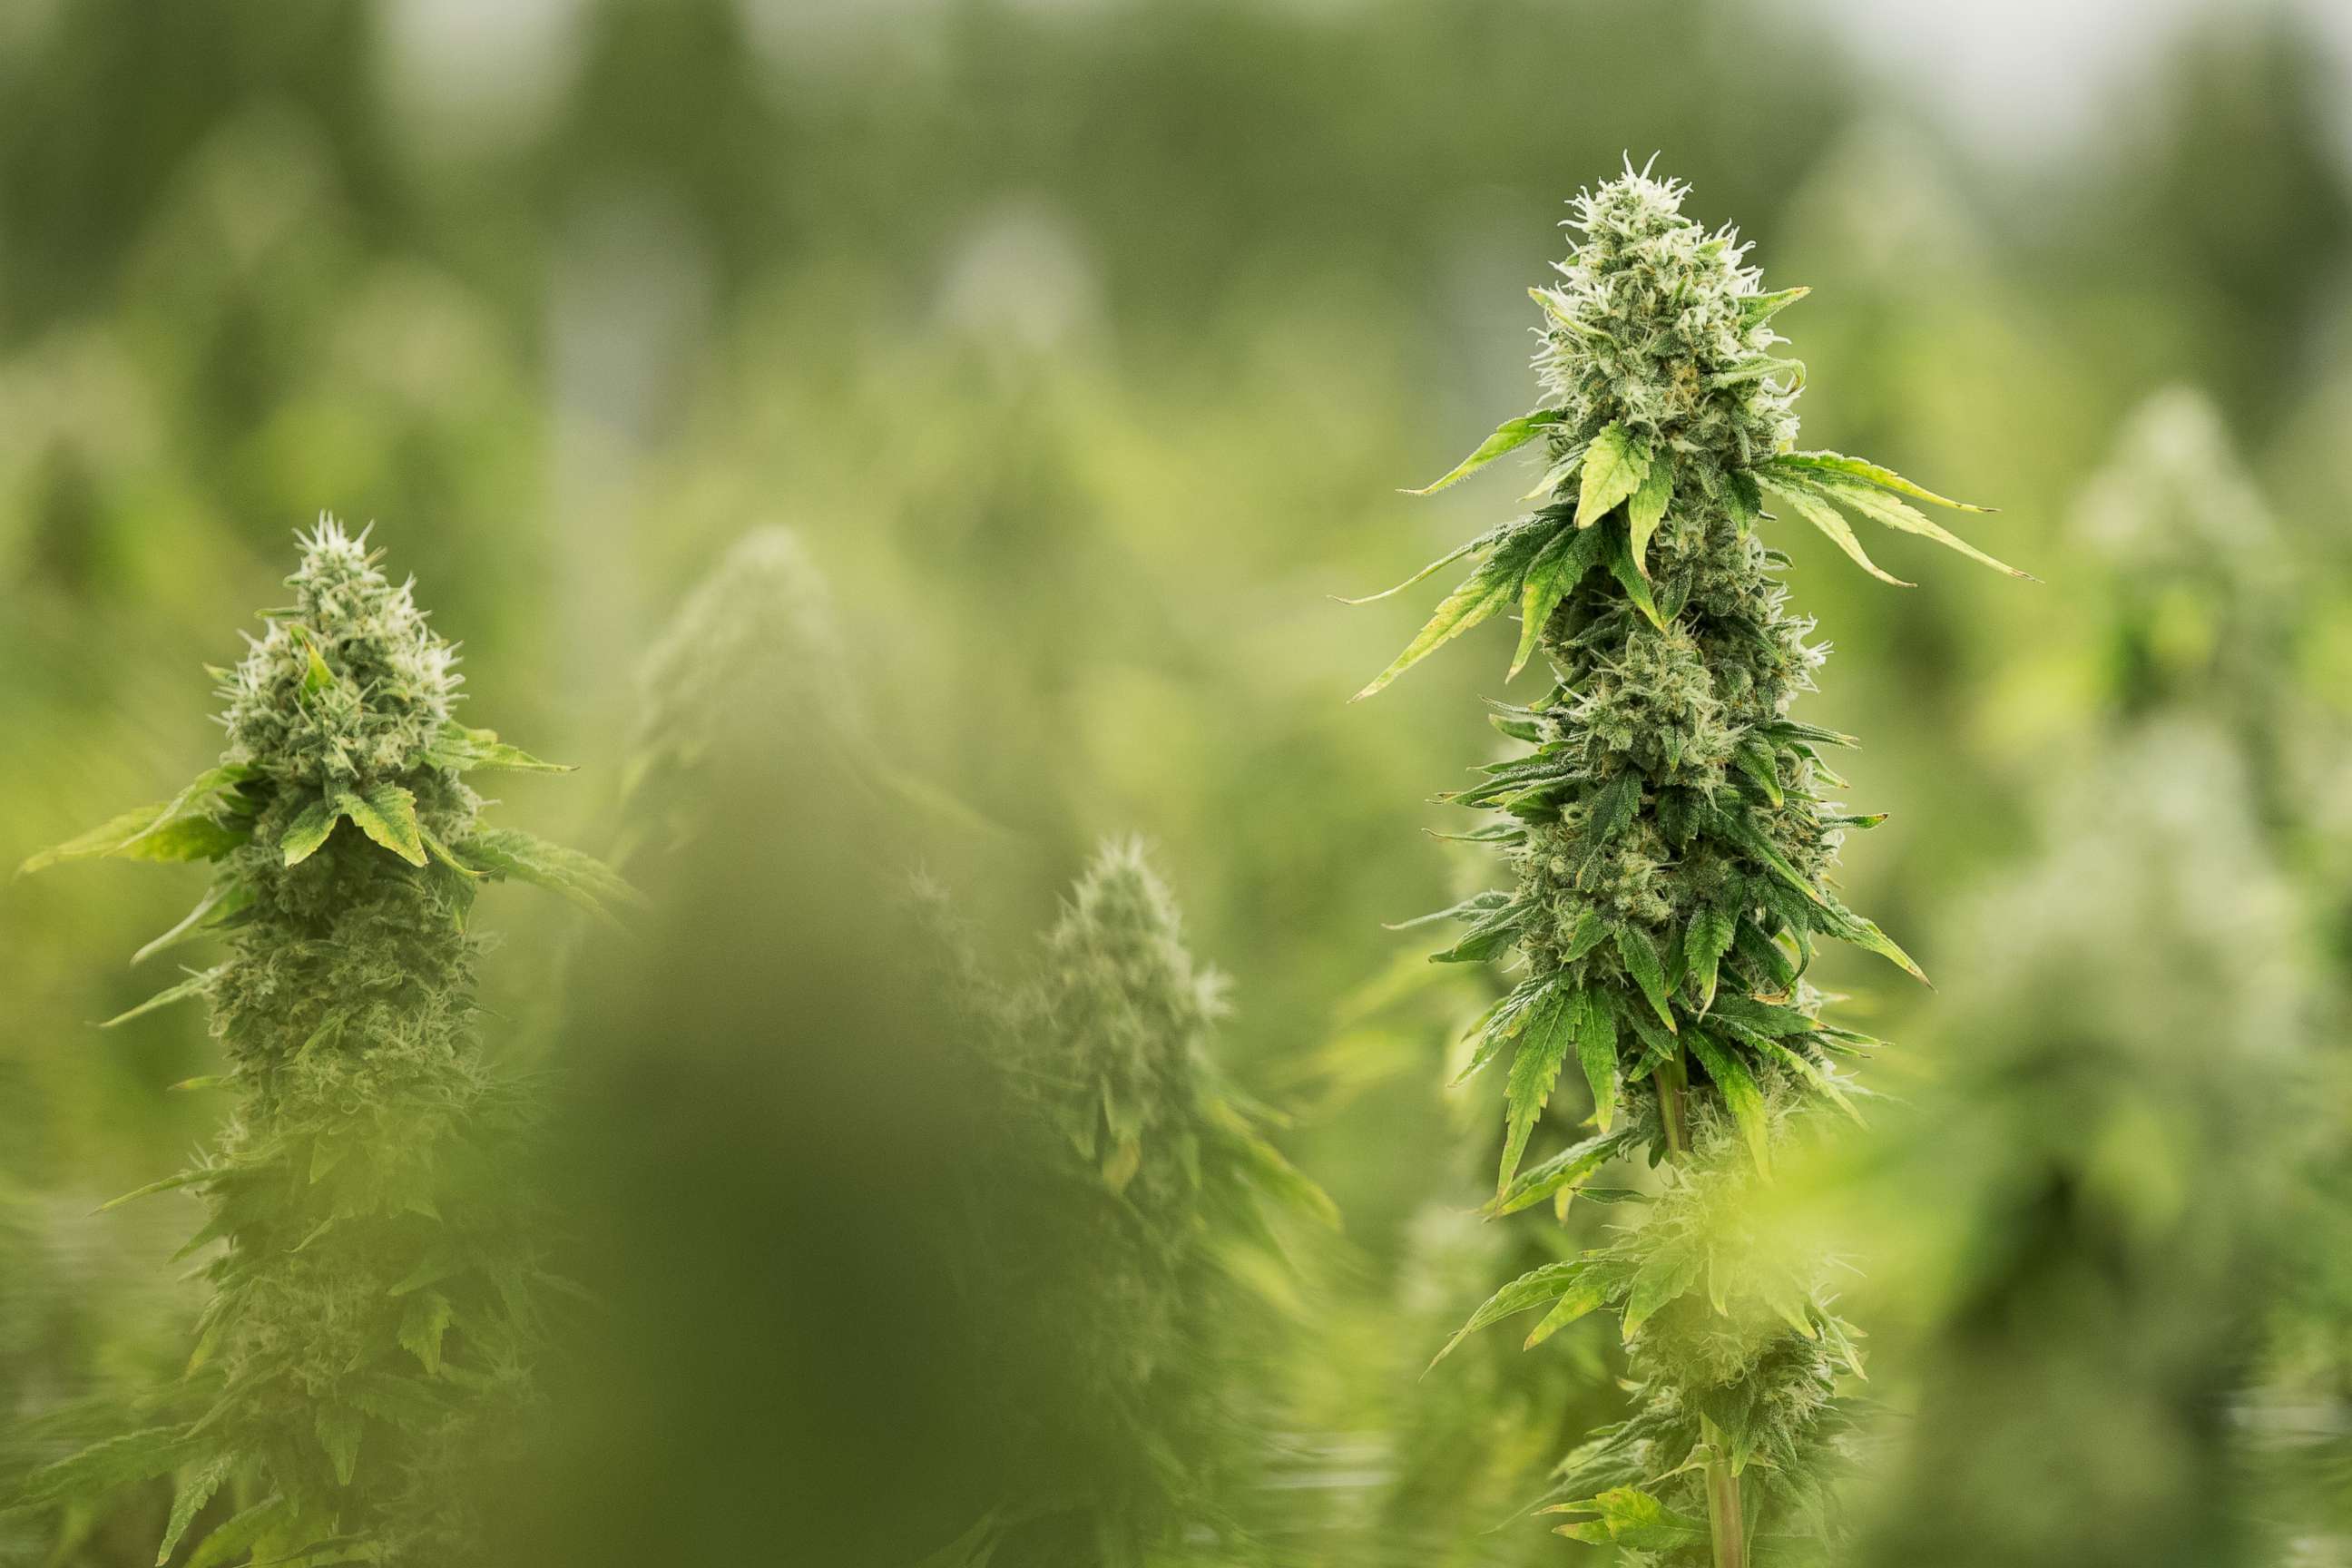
(1171, 1189)
(373, 1294)
(1672, 846)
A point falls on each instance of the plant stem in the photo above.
(1670, 1109)
(1724, 1525)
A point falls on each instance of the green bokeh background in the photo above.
(1087, 347)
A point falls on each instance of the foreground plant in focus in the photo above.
(373, 1310)
(1671, 842)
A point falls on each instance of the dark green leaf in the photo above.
(1741, 1095)
(1551, 1031)
(1641, 956)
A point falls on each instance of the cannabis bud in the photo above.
(1671, 841)
(375, 1299)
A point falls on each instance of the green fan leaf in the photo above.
(1641, 956)
(1631, 577)
(585, 880)
(1554, 574)
(1759, 309)
(1551, 1031)
(240, 1532)
(1647, 508)
(1704, 942)
(195, 1491)
(1493, 586)
(1508, 436)
(1664, 1274)
(1741, 1095)
(308, 831)
(462, 749)
(103, 1467)
(1529, 1290)
(1814, 508)
(1564, 1172)
(221, 901)
(1596, 1052)
(1839, 464)
(1613, 469)
(1586, 1295)
(1874, 503)
(181, 829)
(196, 985)
(386, 813)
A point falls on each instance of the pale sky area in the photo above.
(2017, 79)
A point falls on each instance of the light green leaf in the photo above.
(1585, 1296)
(507, 852)
(1528, 1291)
(1551, 1030)
(195, 1491)
(194, 986)
(1647, 508)
(1838, 463)
(1494, 585)
(1596, 1051)
(240, 1532)
(1848, 926)
(308, 831)
(1665, 1274)
(1508, 436)
(461, 748)
(1879, 507)
(1613, 469)
(169, 1184)
(1641, 956)
(103, 1467)
(1816, 509)
(1485, 541)
(338, 1428)
(1759, 309)
(181, 829)
(221, 901)
(1563, 1171)
(387, 813)
(422, 1325)
(1741, 1095)
(1631, 1518)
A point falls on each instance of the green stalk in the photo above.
(1724, 1526)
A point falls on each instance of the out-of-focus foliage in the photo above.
(1083, 345)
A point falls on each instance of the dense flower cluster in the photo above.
(373, 1308)
(1672, 837)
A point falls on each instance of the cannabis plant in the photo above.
(375, 1282)
(2141, 1006)
(749, 673)
(1671, 843)
(1171, 1191)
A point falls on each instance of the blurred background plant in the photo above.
(1084, 343)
